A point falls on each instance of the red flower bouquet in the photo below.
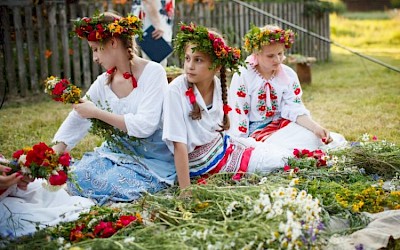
(41, 161)
(61, 90)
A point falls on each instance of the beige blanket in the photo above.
(375, 236)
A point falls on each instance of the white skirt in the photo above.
(272, 154)
(21, 212)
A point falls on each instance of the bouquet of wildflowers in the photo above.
(41, 161)
(62, 90)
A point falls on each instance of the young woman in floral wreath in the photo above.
(196, 112)
(266, 97)
(132, 88)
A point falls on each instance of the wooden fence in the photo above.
(35, 40)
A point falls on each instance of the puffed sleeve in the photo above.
(174, 124)
(239, 100)
(147, 119)
(292, 104)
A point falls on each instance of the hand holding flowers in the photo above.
(41, 161)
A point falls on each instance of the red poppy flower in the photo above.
(65, 159)
(243, 129)
(261, 108)
(238, 111)
(60, 179)
(286, 168)
(262, 96)
(18, 153)
(297, 91)
(273, 97)
(246, 111)
(59, 89)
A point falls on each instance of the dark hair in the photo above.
(195, 114)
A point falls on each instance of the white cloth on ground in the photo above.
(22, 212)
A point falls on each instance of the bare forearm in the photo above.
(115, 120)
(182, 164)
(153, 13)
(308, 123)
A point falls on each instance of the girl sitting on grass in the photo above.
(134, 163)
(266, 97)
(196, 112)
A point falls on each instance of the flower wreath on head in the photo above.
(207, 42)
(258, 37)
(97, 28)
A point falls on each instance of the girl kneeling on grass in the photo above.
(196, 112)
(266, 97)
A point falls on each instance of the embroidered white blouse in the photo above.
(255, 99)
(141, 108)
(179, 126)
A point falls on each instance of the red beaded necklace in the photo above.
(126, 75)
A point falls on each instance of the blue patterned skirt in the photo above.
(107, 176)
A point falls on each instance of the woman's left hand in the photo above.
(86, 109)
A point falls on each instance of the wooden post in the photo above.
(64, 41)
(31, 49)
(10, 65)
(55, 69)
(76, 56)
(44, 67)
(303, 71)
(20, 52)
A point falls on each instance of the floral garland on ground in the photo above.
(99, 222)
(97, 28)
(257, 37)
(41, 161)
(210, 43)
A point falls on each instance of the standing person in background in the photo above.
(128, 97)
(160, 14)
(266, 96)
(196, 113)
